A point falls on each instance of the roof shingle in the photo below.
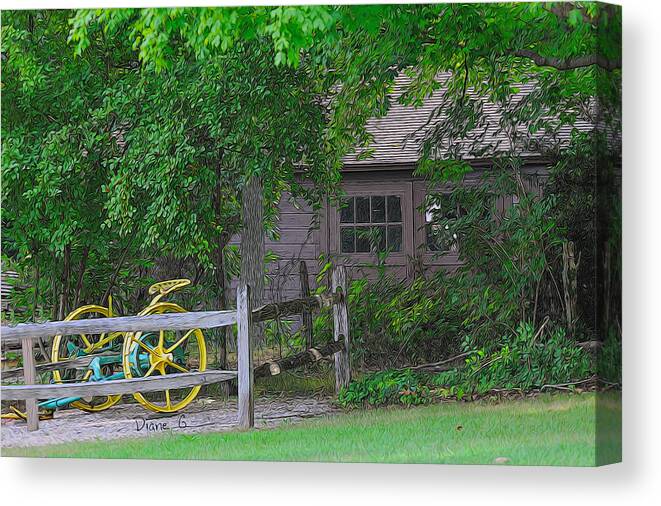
(399, 135)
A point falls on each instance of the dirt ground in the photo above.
(132, 420)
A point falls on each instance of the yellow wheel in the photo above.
(164, 352)
(70, 347)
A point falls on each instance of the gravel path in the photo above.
(132, 420)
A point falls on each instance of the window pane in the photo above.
(378, 209)
(346, 212)
(375, 212)
(433, 242)
(362, 209)
(394, 237)
(441, 238)
(394, 209)
(362, 239)
(433, 212)
(379, 238)
(347, 240)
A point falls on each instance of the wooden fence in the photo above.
(244, 316)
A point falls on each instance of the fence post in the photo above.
(341, 327)
(30, 378)
(306, 316)
(244, 352)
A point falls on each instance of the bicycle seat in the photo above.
(168, 286)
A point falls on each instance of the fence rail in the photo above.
(72, 363)
(116, 387)
(170, 321)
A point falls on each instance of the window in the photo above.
(440, 236)
(371, 224)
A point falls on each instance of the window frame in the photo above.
(430, 258)
(375, 189)
(454, 247)
(383, 223)
(440, 258)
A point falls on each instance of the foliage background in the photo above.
(141, 147)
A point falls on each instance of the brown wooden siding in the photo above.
(304, 236)
(298, 240)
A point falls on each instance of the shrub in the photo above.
(394, 323)
(523, 361)
(386, 387)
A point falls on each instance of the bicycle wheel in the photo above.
(164, 352)
(79, 345)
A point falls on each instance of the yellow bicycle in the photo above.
(118, 355)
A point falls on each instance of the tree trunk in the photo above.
(81, 274)
(35, 304)
(64, 283)
(220, 280)
(37, 280)
(252, 243)
(569, 280)
(55, 297)
(306, 316)
(115, 273)
(221, 301)
(607, 289)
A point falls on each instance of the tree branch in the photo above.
(570, 63)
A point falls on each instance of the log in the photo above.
(443, 365)
(169, 321)
(115, 387)
(292, 307)
(590, 346)
(308, 356)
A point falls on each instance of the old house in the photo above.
(385, 196)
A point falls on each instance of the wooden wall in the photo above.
(298, 240)
(304, 236)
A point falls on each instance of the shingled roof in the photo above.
(398, 136)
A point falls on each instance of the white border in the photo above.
(637, 481)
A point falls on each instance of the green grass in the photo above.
(548, 430)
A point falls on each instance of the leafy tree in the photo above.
(54, 149)
(254, 121)
(229, 99)
(568, 49)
